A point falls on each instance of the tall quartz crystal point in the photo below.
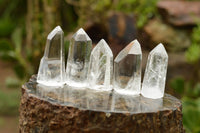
(127, 69)
(101, 67)
(78, 59)
(153, 85)
(52, 65)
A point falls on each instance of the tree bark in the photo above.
(38, 115)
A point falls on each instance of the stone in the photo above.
(180, 13)
(153, 85)
(52, 65)
(101, 67)
(78, 59)
(173, 44)
(127, 69)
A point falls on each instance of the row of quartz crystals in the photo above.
(87, 68)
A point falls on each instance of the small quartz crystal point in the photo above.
(153, 85)
(127, 69)
(101, 67)
(78, 59)
(52, 65)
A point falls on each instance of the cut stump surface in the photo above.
(39, 115)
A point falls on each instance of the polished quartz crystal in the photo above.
(52, 65)
(101, 101)
(153, 85)
(127, 69)
(101, 67)
(78, 59)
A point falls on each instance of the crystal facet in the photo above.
(127, 69)
(101, 67)
(155, 74)
(52, 65)
(78, 59)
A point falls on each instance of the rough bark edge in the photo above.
(39, 116)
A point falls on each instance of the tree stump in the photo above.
(88, 111)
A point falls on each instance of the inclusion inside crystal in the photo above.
(78, 59)
(101, 67)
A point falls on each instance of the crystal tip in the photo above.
(132, 48)
(135, 47)
(102, 41)
(56, 30)
(160, 49)
(81, 35)
(103, 44)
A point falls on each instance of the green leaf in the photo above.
(17, 39)
(197, 90)
(12, 82)
(195, 34)
(192, 54)
(19, 70)
(6, 50)
(189, 89)
(5, 45)
(6, 26)
(8, 55)
(191, 115)
(9, 102)
(178, 85)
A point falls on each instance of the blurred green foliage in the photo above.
(11, 82)
(98, 11)
(11, 34)
(191, 114)
(186, 88)
(143, 9)
(24, 47)
(23, 32)
(9, 102)
(190, 93)
(190, 89)
(192, 54)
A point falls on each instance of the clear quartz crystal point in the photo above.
(101, 67)
(52, 65)
(127, 69)
(153, 85)
(78, 59)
